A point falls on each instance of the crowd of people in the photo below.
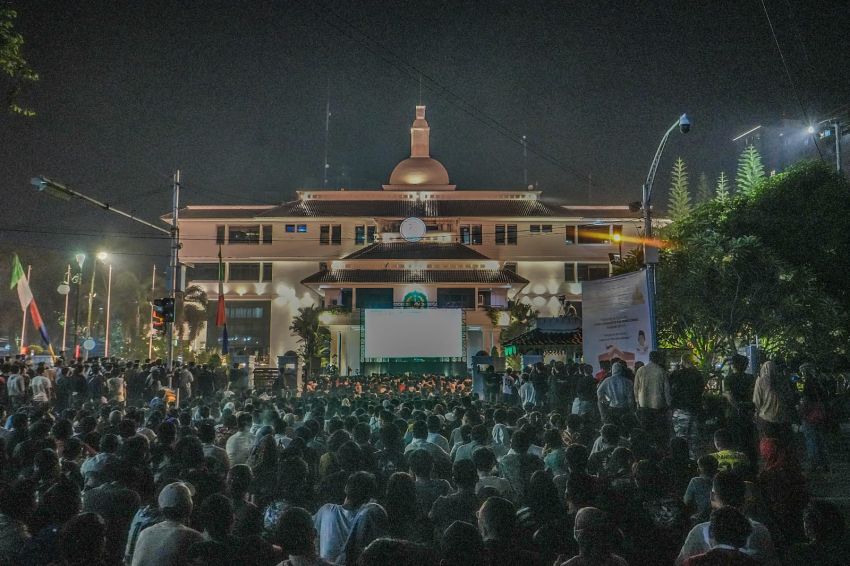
(108, 462)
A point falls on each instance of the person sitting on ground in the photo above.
(728, 531)
(296, 536)
(609, 439)
(478, 437)
(594, 532)
(697, 496)
(827, 537)
(460, 505)
(728, 456)
(497, 525)
(168, 542)
(461, 545)
(485, 463)
(334, 522)
(728, 489)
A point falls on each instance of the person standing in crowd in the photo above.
(738, 387)
(774, 404)
(241, 443)
(813, 409)
(616, 396)
(509, 387)
(686, 389)
(653, 399)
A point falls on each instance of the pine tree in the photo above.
(679, 205)
(704, 193)
(750, 171)
(721, 191)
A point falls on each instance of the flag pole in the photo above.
(65, 319)
(108, 305)
(150, 328)
(23, 348)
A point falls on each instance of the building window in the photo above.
(570, 235)
(243, 272)
(267, 233)
(267, 272)
(290, 228)
(465, 236)
(204, 272)
(359, 235)
(219, 235)
(512, 234)
(594, 234)
(302, 228)
(546, 228)
(477, 236)
(336, 234)
(370, 234)
(243, 234)
(324, 234)
(534, 228)
(500, 234)
(592, 271)
(570, 272)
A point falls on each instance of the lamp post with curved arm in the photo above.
(650, 252)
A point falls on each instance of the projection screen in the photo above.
(413, 333)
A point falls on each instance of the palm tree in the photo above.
(193, 311)
(131, 301)
(522, 314)
(314, 338)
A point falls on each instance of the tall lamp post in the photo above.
(65, 290)
(108, 309)
(650, 252)
(101, 256)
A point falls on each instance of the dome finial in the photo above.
(420, 133)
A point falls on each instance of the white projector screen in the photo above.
(413, 333)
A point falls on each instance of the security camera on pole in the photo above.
(650, 251)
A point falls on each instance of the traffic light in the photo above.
(168, 309)
(157, 316)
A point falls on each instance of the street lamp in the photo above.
(650, 253)
(619, 239)
(78, 279)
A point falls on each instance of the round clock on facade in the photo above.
(412, 229)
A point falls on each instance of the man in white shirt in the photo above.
(239, 444)
(41, 388)
(16, 387)
(434, 436)
(167, 543)
(728, 488)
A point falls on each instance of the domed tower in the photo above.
(420, 170)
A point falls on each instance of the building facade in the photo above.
(416, 241)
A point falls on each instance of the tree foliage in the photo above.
(722, 192)
(680, 197)
(313, 337)
(13, 63)
(769, 263)
(521, 316)
(750, 171)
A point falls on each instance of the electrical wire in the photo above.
(788, 73)
(438, 88)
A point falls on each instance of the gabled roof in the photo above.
(416, 250)
(318, 208)
(483, 276)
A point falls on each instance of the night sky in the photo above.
(234, 93)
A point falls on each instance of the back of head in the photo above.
(420, 430)
(576, 457)
(707, 465)
(295, 531)
(729, 526)
(239, 479)
(497, 519)
(461, 545)
(82, 539)
(175, 501)
(656, 357)
(479, 433)
(421, 463)
(465, 474)
(610, 433)
(216, 515)
(360, 487)
(483, 458)
(729, 488)
(723, 439)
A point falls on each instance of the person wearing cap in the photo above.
(593, 532)
(167, 543)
